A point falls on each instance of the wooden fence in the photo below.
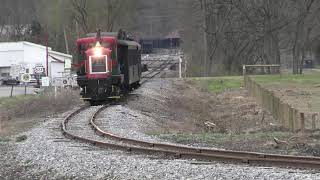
(288, 116)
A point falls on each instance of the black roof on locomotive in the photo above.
(122, 36)
(110, 34)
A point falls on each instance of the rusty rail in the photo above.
(189, 152)
(156, 71)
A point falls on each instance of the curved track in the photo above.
(100, 138)
(137, 146)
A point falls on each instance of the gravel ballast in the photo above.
(75, 160)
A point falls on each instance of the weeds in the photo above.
(219, 138)
(42, 104)
(4, 140)
(21, 138)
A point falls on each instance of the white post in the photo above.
(55, 92)
(185, 68)
(244, 70)
(180, 73)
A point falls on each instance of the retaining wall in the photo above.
(287, 115)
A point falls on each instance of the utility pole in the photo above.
(77, 30)
(66, 40)
(185, 68)
(205, 42)
(47, 55)
(180, 68)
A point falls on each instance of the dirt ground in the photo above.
(305, 99)
(300, 91)
(188, 113)
(21, 113)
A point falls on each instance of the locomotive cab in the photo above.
(108, 65)
(99, 64)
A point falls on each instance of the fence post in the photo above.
(291, 121)
(296, 119)
(302, 123)
(314, 121)
(180, 68)
(245, 79)
(282, 113)
(11, 93)
(244, 71)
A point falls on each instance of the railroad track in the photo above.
(156, 70)
(204, 154)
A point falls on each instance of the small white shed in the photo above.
(30, 55)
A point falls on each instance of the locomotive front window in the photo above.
(98, 64)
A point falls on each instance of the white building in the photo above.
(30, 55)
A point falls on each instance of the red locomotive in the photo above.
(109, 64)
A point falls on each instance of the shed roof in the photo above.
(16, 46)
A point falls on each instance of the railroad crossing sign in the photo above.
(45, 81)
(38, 69)
(67, 64)
(25, 78)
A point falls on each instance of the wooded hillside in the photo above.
(218, 36)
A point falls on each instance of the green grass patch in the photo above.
(218, 138)
(301, 79)
(220, 84)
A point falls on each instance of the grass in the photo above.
(21, 138)
(304, 79)
(220, 84)
(218, 138)
(4, 140)
(43, 103)
(12, 101)
(22, 112)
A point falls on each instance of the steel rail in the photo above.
(188, 152)
(158, 67)
(156, 71)
(244, 155)
(143, 150)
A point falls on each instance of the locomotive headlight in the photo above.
(98, 49)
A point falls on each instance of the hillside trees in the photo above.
(304, 30)
(236, 32)
(62, 21)
(218, 36)
(15, 16)
(73, 19)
